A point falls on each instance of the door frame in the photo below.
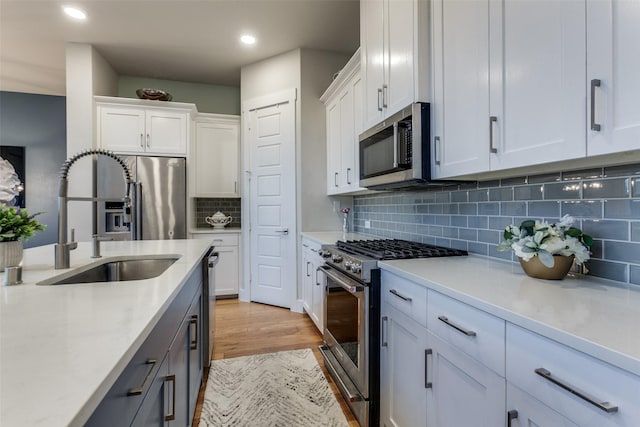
(284, 96)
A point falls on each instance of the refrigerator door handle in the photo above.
(137, 223)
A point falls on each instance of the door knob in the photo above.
(284, 231)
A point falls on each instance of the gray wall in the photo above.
(605, 201)
(208, 98)
(37, 122)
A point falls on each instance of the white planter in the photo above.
(10, 254)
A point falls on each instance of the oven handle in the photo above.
(340, 280)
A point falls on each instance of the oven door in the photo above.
(346, 326)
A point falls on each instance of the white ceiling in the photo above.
(185, 40)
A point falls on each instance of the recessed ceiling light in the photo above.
(247, 39)
(74, 13)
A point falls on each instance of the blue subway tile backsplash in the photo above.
(604, 201)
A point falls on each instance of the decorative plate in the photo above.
(154, 94)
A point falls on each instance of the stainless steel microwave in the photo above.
(395, 154)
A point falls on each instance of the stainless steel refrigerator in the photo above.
(159, 198)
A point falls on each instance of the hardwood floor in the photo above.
(245, 328)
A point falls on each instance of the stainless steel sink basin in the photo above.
(115, 269)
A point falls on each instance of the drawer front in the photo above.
(311, 244)
(219, 239)
(475, 332)
(589, 378)
(407, 297)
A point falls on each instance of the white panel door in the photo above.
(399, 51)
(372, 41)
(216, 158)
(122, 129)
(525, 410)
(334, 162)
(539, 98)
(461, 87)
(166, 132)
(614, 59)
(273, 207)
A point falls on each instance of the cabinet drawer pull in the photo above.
(492, 121)
(385, 320)
(511, 415)
(172, 415)
(436, 150)
(427, 353)
(594, 84)
(379, 99)
(194, 342)
(604, 406)
(141, 140)
(448, 322)
(348, 174)
(335, 179)
(385, 89)
(399, 295)
(235, 187)
(308, 263)
(148, 141)
(138, 390)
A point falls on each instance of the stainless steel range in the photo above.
(352, 316)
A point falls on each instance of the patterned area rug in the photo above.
(284, 389)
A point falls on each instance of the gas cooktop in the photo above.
(389, 249)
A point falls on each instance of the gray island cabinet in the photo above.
(159, 386)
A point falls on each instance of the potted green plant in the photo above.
(16, 225)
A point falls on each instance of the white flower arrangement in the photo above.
(544, 240)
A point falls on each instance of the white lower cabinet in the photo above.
(312, 287)
(471, 368)
(462, 391)
(403, 394)
(227, 271)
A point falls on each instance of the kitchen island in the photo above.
(63, 346)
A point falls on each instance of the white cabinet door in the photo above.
(227, 271)
(403, 396)
(347, 140)
(121, 129)
(217, 157)
(307, 289)
(317, 291)
(538, 80)
(461, 87)
(525, 410)
(613, 59)
(333, 148)
(166, 132)
(463, 392)
(400, 21)
(372, 45)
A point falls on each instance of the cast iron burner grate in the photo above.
(388, 249)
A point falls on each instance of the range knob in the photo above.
(324, 253)
(337, 259)
(356, 268)
(348, 265)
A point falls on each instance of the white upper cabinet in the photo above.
(343, 100)
(508, 92)
(394, 48)
(134, 127)
(613, 67)
(216, 156)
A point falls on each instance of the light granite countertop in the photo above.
(598, 317)
(62, 347)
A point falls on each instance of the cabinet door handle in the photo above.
(235, 187)
(148, 141)
(594, 84)
(194, 342)
(436, 150)
(171, 416)
(379, 99)
(384, 96)
(383, 331)
(492, 121)
(458, 328)
(335, 179)
(141, 140)
(598, 403)
(138, 390)
(399, 295)
(427, 353)
(511, 415)
(348, 179)
(308, 263)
